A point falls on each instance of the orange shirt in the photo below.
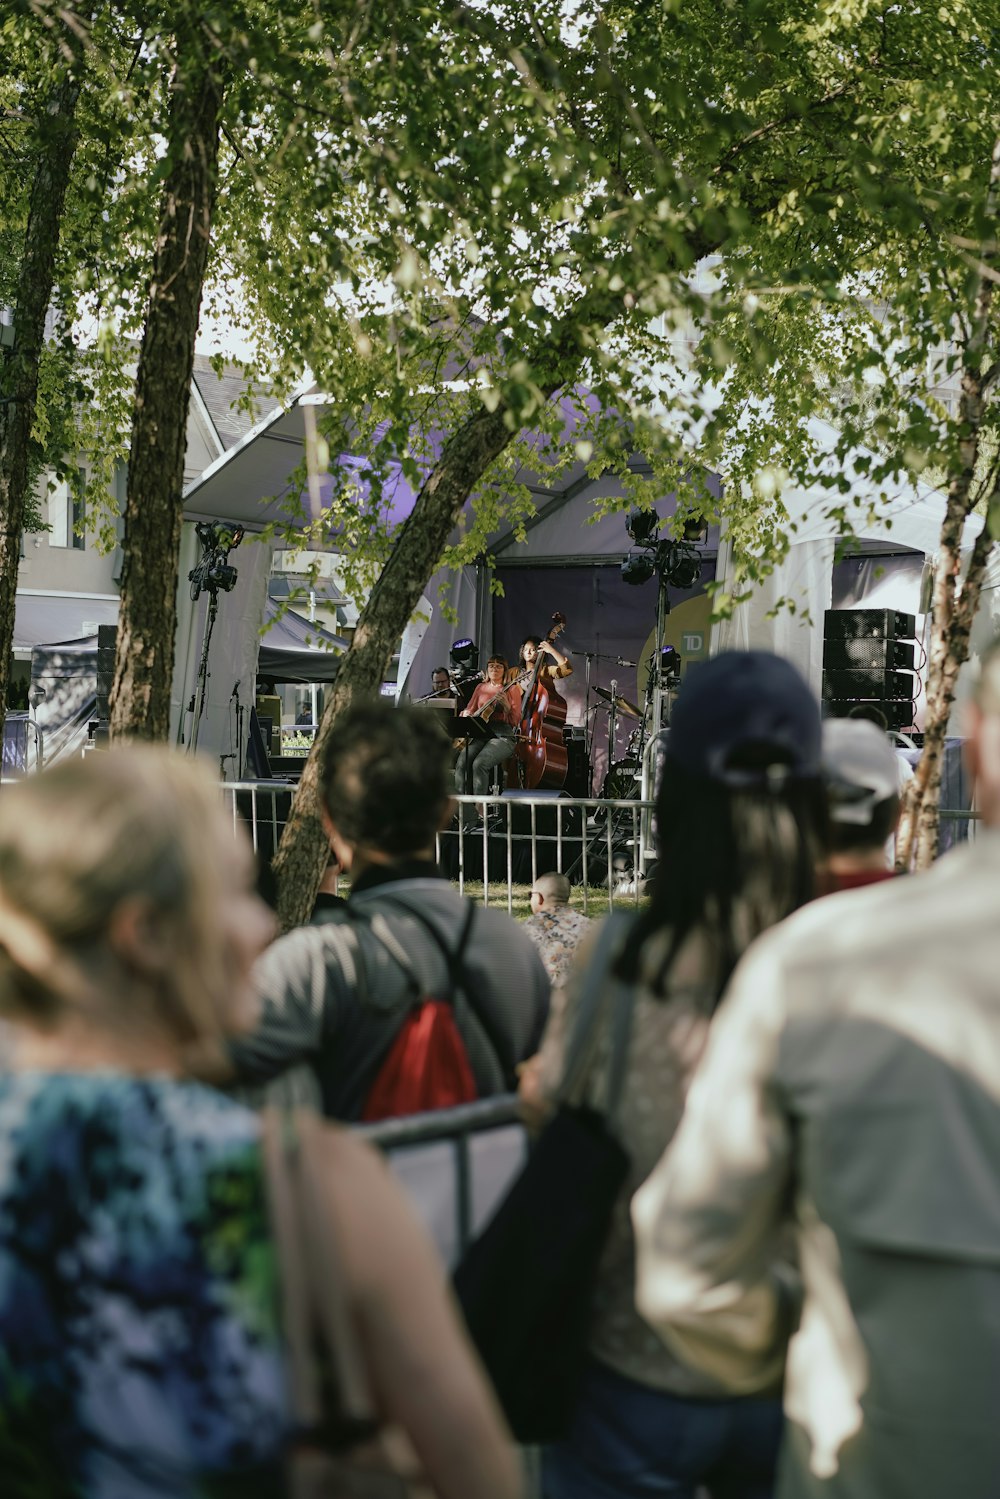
(508, 709)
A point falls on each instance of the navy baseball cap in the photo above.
(746, 719)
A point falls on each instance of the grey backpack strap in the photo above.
(623, 1006)
(599, 992)
(455, 958)
(383, 932)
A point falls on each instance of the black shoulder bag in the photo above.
(526, 1284)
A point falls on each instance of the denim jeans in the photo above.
(484, 755)
(630, 1441)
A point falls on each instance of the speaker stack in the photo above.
(869, 658)
(107, 636)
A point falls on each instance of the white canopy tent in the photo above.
(251, 482)
(906, 520)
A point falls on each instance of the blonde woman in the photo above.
(140, 1352)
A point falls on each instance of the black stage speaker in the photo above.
(868, 658)
(107, 636)
(868, 686)
(577, 763)
(899, 713)
(862, 624)
(868, 653)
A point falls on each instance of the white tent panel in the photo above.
(41, 617)
(907, 519)
(428, 645)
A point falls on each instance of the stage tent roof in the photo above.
(252, 484)
(295, 650)
(43, 617)
(291, 650)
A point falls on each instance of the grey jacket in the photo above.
(335, 996)
(851, 1090)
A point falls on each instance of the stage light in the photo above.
(638, 567)
(678, 563)
(464, 653)
(642, 526)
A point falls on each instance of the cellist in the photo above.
(541, 749)
(500, 705)
(549, 671)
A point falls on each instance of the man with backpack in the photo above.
(415, 998)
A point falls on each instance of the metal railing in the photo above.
(498, 845)
(455, 1164)
(501, 842)
(598, 842)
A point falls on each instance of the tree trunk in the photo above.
(19, 379)
(144, 658)
(955, 600)
(416, 552)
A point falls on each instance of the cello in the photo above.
(540, 759)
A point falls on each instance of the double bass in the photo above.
(540, 759)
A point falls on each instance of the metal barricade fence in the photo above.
(600, 844)
(455, 1165)
(496, 844)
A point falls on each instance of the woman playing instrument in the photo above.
(499, 704)
(140, 1346)
(551, 670)
(541, 745)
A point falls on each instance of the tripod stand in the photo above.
(201, 689)
(213, 573)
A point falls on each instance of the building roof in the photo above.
(222, 393)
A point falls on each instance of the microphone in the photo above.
(236, 689)
(622, 662)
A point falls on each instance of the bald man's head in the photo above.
(553, 888)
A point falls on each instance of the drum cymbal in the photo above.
(621, 703)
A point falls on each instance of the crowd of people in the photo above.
(797, 1288)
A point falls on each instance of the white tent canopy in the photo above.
(908, 519)
(247, 485)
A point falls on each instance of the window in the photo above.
(59, 514)
(77, 519)
(66, 517)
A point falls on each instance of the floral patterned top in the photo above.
(557, 933)
(139, 1345)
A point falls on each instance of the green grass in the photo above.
(597, 904)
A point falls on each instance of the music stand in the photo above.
(468, 728)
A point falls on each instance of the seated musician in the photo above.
(550, 671)
(441, 683)
(501, 707)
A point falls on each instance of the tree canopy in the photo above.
(445, 214)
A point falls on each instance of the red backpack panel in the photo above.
(427, 1066)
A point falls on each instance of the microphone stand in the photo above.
(588, 737)
(240, 711)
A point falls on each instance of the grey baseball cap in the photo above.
(860, 769)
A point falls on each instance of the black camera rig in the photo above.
(214, 573)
